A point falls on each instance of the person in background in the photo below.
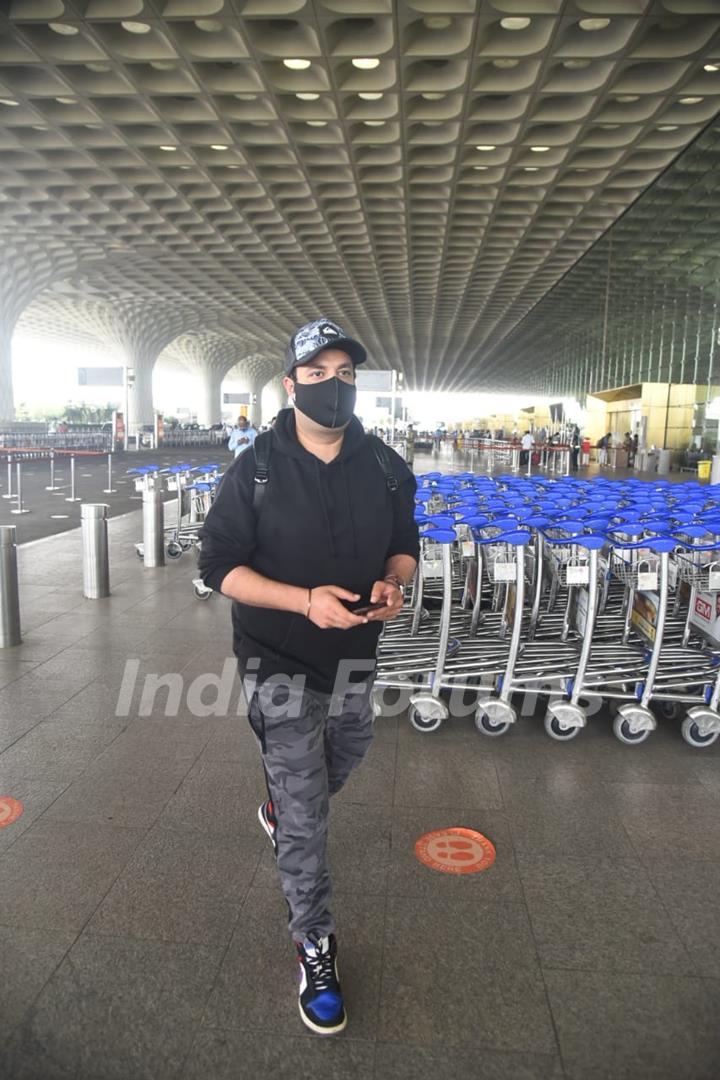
(627, 445)
(410, 445)
(437, 439)
(574, 447)
(602, 447)
(585, 450)
(527, 442)
(242, 436)
(633, 450)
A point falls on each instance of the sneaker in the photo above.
(268, 821)
(320, 996)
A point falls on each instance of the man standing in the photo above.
(242, 436)
(526, 443)
(305, 534)
(574, 447)
(410, 446)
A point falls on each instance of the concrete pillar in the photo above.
(255, 411)
(210, 402)
(7, 404)
(140, 396)
(274, 398)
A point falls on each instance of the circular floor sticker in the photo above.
(455, 851)
(10, 810)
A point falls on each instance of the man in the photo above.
(574, 448)
(242, 436)
(318, 521)
(603, 447)
(526, 444)
(410, 445)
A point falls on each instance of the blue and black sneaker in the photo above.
(320, 996)
(267, 819)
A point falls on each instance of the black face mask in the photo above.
(329, 403)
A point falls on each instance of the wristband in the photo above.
(309, 603)
(395, 580)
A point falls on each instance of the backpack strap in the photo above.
(262, 448)
(383, 459)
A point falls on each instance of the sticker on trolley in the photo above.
(645, 614)
(504, 571)
(714, 578)
(577, 573)
(706, 615)
(647, 579)
(468, 549)
(432, 568)
(673, 575)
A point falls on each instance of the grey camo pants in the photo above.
(308, 755)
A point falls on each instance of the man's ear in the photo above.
(289, 385)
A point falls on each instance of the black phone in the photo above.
(368, 608)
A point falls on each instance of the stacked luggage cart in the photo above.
(577, 592)
(194, 488)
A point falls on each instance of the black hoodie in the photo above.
(319, 524)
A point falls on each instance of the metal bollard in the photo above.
(19, 508)
(9, 493)
(153, 530)
(96, 570)
(52, 486)
(109, 490)
(72, 497)
(9, 601)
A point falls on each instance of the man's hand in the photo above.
(387, 593)
(328, 613)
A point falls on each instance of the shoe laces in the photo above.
(320, 962)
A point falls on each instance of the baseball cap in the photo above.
(315, 336)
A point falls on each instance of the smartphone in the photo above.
(368, 608)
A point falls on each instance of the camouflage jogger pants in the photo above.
(309, 749)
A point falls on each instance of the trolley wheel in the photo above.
(555, 731)
(185, 544)
(173, 550)
(139, 551)
(691, 734)
(487, 726)
(622, 731)
(202, 593)
(669, 710)
(425, 722)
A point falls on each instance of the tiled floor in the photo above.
(142, 933)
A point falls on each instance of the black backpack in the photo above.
(263, 453)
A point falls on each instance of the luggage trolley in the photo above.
(642, 565)
(690, 671)
(422, 663)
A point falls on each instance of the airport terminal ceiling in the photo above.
(424, 171)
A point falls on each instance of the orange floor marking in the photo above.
(10, 810)
(455, 851)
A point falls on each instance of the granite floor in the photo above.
(51, 512)
(142, 933)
